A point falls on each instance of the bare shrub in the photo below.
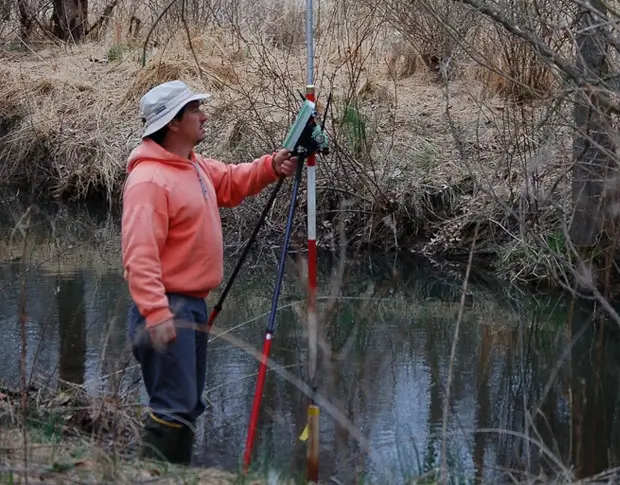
(423, 26)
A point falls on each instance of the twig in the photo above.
(452, 357)
(189, 41)
(22, 321)
(107, 11)
(148, 36)
(546, 52)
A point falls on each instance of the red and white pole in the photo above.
(312, 256)
(312, 454)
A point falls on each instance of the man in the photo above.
(173, 256)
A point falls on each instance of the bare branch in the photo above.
(590, 86)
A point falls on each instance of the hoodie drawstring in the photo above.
(202, 183)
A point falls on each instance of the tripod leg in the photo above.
(218, 307)
(270, 328)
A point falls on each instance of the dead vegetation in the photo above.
(432, 130)
(53, 430)
(74, 438)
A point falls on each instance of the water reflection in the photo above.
(72, 328)
(594, 393)
(390, 335)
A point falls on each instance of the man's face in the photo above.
(190, 126)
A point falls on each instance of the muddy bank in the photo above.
(415, 165)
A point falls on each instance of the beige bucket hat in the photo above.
(160, 105)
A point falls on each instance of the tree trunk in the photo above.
(25, 19)
(592, 144)
(5, 10)
(70, 19)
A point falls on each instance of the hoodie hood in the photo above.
(149, 151)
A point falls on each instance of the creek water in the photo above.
(534, 382)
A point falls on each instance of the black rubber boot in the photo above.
(163, 441)
(186, 445)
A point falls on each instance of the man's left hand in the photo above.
(283, 164)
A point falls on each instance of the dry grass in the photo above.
(81, 460)
(419, 162)
(511, 69)
(71, 436)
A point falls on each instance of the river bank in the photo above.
(417, 164)
(65, 436)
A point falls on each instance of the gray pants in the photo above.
(174, 378)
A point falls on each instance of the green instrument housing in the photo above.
(306, 136)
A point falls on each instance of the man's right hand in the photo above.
(162, 334)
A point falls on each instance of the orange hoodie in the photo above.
(171, 228)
